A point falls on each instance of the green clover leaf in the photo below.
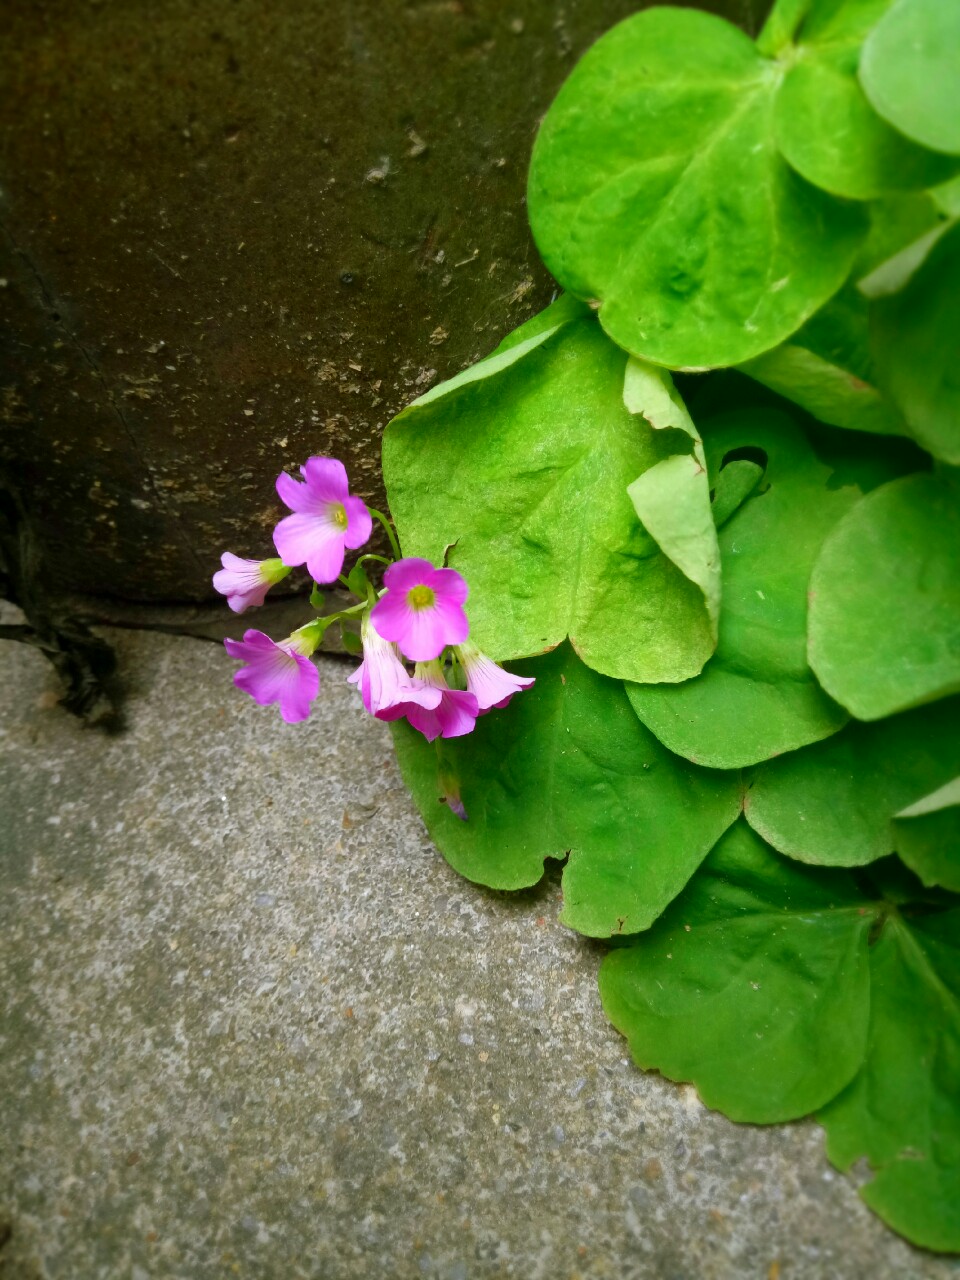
(779, 989)
(910, 70)
(884, 626)
(521, 467)
(928, 836)
(834, 803)
(568, 768)
(826, 127)
(658, 189)
(757, 696)
(916, 349)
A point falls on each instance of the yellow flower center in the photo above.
(338, 515)
(420, 597)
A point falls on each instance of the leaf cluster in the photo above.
(710, 500)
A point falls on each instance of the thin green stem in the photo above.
(378, 515)
(355, 608)
(781, 26)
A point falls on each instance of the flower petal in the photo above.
(450, 621)
(489, 683)
(313, 540)
(447, 584)
(391, 615)
(237, 564)
(294, 537)
(274, 673)
(292, 493)
(326, 560)
(457, 713)
(359, 522)
(241, 581)
(326, 479)
(425, 721)
(406, 574)
(298, 689)
(253, 640)
(425, 636)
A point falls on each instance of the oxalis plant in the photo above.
(731, 603)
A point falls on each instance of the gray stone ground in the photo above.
(256, 1027)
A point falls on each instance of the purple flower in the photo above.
(277, 672)
(422, 610)
(489, 684)
(326, 519)
(246, 582)
(455, 714)
(383, 679)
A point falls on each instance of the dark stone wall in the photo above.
(236, 233)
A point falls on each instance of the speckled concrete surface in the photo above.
(254, 1026)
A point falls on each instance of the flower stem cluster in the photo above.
(417, 619)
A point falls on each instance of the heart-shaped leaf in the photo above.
(827, 366)
(884, 628)
(568, 768)
(834, 803)
(826, 369)
(826, 127)
(778, 989)
(901, 1111)
(520, 467)
(658, 189)
(716, 992)
(910, 69)
(928, 836)
(757, 697)
(916, 349)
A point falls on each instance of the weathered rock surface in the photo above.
(254, 1026)
(238, 233)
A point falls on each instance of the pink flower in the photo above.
(455, 714)
(422, 610)
(277, 672)
(383, 679)
(246, 582)
(489, 684)
(326, 519)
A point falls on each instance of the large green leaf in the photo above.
(757, 697)
(928, 836)
(916, 347)
(519, 468)
(902, 1111)
(657, 188)
(568, 768)
(834, 803)
(884, 627)
(826, 368)
(779, 989)
(825, 126)
(753, 985)
(910, 69)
